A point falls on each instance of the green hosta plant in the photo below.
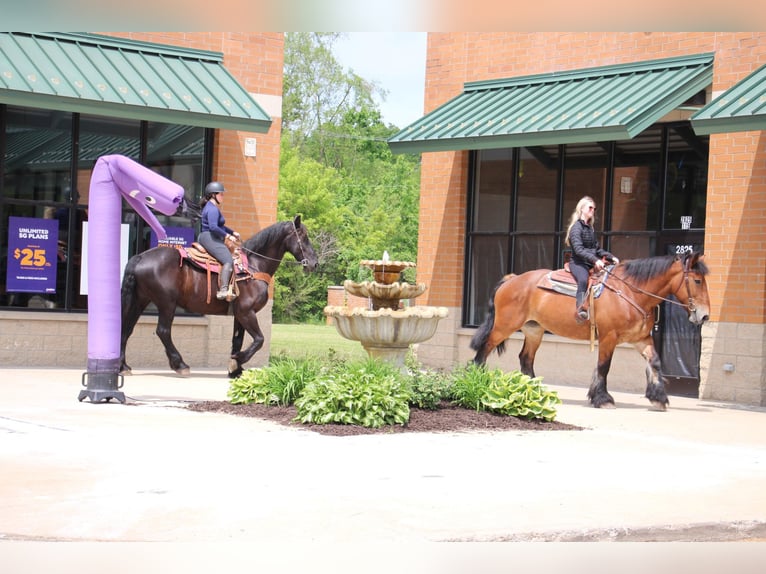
(519, 395)
(514, 394)
(279, 383)
(368, 393)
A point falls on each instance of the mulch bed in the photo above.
(447, 418)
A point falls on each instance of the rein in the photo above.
(304, 262)
(690, 306)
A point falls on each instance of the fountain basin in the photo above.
(385, 271)
(384, 296)
(387, 333)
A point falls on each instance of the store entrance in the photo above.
(677, 340)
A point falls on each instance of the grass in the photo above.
(299, 341)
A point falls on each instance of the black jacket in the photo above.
(585, 248)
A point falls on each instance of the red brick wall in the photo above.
(735, 228)
(735, 243)
(256, 61)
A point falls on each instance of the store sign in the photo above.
(177, 237)
(32, 254)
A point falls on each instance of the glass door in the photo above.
(677, 340)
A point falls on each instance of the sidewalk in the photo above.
(149, 471)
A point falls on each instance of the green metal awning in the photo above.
(740, 108)
(594, 104)
(94, 74)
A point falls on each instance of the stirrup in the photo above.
(581, 316)
(222, 293)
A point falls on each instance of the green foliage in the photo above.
(470, 384)
(357, 199)
(281, 383)
(369, 393)
(428, 388)
(374, 393)
(514, 394)
(299, 297)
(519, 395)
(318, 93)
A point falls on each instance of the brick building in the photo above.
(196, 107)
(670, 167)
(518, 126)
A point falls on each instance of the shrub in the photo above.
(514, 394)
(470, 384)
(519, 395)
(279, 383)
(374, 393)
(369, 393)
(428, 388)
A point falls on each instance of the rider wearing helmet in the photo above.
(215, 232)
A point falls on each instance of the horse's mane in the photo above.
(641, 270)
(266, 236)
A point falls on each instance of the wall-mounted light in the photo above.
(728, 367)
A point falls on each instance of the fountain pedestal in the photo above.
(386, 331)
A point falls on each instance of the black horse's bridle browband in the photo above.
(304, 262)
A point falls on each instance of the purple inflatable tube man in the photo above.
(115, 177)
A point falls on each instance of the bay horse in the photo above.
(161, 276)
(623, 313)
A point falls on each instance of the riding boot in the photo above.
(223, 292)
(581, 314)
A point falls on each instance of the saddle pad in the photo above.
(198, 259)
(190, 254)
(563, 282)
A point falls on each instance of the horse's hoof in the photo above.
(184, 372)
(606, 405)
(658, 406)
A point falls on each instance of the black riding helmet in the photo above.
(214, 187)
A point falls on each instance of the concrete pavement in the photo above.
(150, 471)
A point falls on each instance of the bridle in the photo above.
(690, 306)
(304, 261)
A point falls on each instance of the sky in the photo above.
(394, 60)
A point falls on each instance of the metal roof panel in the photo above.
(740, 108)
(88, 73)
(594, 104)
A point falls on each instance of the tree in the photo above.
(317, 92)
(356, 198)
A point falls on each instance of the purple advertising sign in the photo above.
(32, 254)
(177, 237)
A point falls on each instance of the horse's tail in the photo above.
(479, 339)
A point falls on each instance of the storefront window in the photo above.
(630, 181)
(686, 196)
(38, 155)
(493, 182)
(46, 171)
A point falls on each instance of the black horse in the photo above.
(160, 276)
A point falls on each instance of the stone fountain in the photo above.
(387, 330)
